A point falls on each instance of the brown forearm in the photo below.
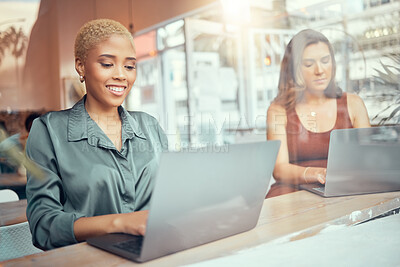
(131, 223)
(86, 227)
(295, 174)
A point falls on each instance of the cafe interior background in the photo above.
(207, 70)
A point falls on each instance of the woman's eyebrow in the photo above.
(107, 55)
(112, 56)
(311, 59)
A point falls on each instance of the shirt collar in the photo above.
(79, 120)
(129, 125)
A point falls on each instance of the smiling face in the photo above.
(316, 67)
(110, 72)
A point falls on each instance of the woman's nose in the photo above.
(119, 73)
(318, 68)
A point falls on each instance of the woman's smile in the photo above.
(117, 90)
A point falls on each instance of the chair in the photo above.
(16, 239)
(7, 195)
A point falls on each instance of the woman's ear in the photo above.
(80, 67)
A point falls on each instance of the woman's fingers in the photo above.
(321, 176)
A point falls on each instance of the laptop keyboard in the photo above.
(320, 189)
(133, 246)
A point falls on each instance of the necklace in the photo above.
(313, 113)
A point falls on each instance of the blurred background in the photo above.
(207, 70)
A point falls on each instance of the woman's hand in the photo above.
(314, 174)
(133, 223)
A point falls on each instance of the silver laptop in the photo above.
(361, 161)
(200, 196)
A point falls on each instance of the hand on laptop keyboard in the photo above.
(315, 174)
(321, 176)
(133, 223)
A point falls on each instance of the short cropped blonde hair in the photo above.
(96, 31)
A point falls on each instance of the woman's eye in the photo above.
(325, 60)
(106, 65)
(130, 67)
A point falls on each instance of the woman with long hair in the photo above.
(309, 105)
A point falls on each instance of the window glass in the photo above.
(170, 35)
(225, 73)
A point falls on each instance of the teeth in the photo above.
(117, 89)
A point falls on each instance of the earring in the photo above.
(81, 78)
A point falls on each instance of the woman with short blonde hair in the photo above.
(98, 159)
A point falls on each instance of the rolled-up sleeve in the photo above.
(50, 225)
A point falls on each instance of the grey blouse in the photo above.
(85, 175)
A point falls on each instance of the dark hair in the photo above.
(291, 83)
(29, 120)
(3, 125)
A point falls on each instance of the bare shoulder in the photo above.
(357, 111)
(276, 122)
(276, 114)
(354, 100)
(276, 109)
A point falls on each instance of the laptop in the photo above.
(361, 161)
(199, 197)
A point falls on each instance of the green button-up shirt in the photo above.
(85, 175)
